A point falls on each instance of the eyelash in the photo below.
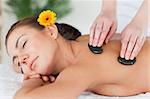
(24, 44)
(18, 64)
(22, 71)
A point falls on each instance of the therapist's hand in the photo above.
(102, 29)
(132, 40)
(134, 35)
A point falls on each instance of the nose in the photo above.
(23, 60)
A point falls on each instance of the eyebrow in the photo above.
(18, 40)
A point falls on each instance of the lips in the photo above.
(32, 65)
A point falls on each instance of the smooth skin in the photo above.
(133, 35)
(79, 68)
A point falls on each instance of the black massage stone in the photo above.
(95, 50)
(126, 62)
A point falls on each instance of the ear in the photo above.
(52, 31)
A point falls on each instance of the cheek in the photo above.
(46, 52)
(37, 48)
(34, 46)
(46, 60)
(44, 67)
(36, 42)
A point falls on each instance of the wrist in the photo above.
(108, 13)
(141, 18)
(139, 24)
(109, 7)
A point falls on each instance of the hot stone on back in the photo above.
(95, 50)
(126, 62)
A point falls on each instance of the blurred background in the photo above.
(78, 13)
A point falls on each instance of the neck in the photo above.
(66, 54)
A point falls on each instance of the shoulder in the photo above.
(83, 38)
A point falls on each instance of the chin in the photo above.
(45, 71)
(44, 67)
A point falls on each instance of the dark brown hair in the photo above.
(67, 31)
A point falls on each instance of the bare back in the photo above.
(99, 73)
(125, 80)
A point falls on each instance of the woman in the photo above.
(37, 50)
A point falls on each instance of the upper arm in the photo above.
(68, 85)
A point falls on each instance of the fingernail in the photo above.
(94, 45)
(89, 43)
(127, 58)
(122, 56)
(131, 57)
(100, 44)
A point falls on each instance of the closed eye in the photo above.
(19, 64)
(24, 44)
(22, 71)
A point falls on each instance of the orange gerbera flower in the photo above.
(47, 18)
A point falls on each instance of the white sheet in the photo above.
(10, 82)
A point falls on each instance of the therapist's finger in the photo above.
(138, 47)
(92, 30)
(106, 29)
(124, 42)
(97, 33)
(142, 43)
(135, 50)
(130, 47)
(112, 31)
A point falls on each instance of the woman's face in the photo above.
(32, 51)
